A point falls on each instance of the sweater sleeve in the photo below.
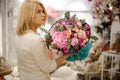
(39, 52)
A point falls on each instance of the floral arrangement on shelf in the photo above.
(5, 67)
(105, 8)
(70, 36)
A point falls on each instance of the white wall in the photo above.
(115, 28)
(71, 5)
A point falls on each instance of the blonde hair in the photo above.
(26, 15)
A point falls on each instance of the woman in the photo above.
(33, 61)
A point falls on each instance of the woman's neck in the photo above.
(33, 27)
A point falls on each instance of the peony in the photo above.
(60, 39)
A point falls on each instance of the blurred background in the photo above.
(102, 15)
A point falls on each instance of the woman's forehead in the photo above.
(39, 6)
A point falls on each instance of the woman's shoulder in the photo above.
(33, 36)
(29, 36)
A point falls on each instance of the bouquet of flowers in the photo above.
(70, 36)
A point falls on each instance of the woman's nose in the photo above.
(43, 14)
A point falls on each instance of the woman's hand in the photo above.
(50, 55)
(61, 60)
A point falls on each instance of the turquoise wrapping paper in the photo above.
(81, 54)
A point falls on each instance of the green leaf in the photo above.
(44, 30)
(83, 22)
(53, 46)
(61, 28)
(74, 16)
(94, 37)
(67, 14)
(69, 40)
(68, 46)
(58, 28)
(71, 26)
(47, 37)
(71, 50)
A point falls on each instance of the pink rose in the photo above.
(78, 24)
(82, 34)
(74, 41)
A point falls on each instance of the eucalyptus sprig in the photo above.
(44, 30)
(67, 14)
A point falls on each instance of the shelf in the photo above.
(109, 62)
(109, 71)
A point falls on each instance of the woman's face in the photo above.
(40, 16)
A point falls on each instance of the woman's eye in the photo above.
(43, 11)
(40, 11)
